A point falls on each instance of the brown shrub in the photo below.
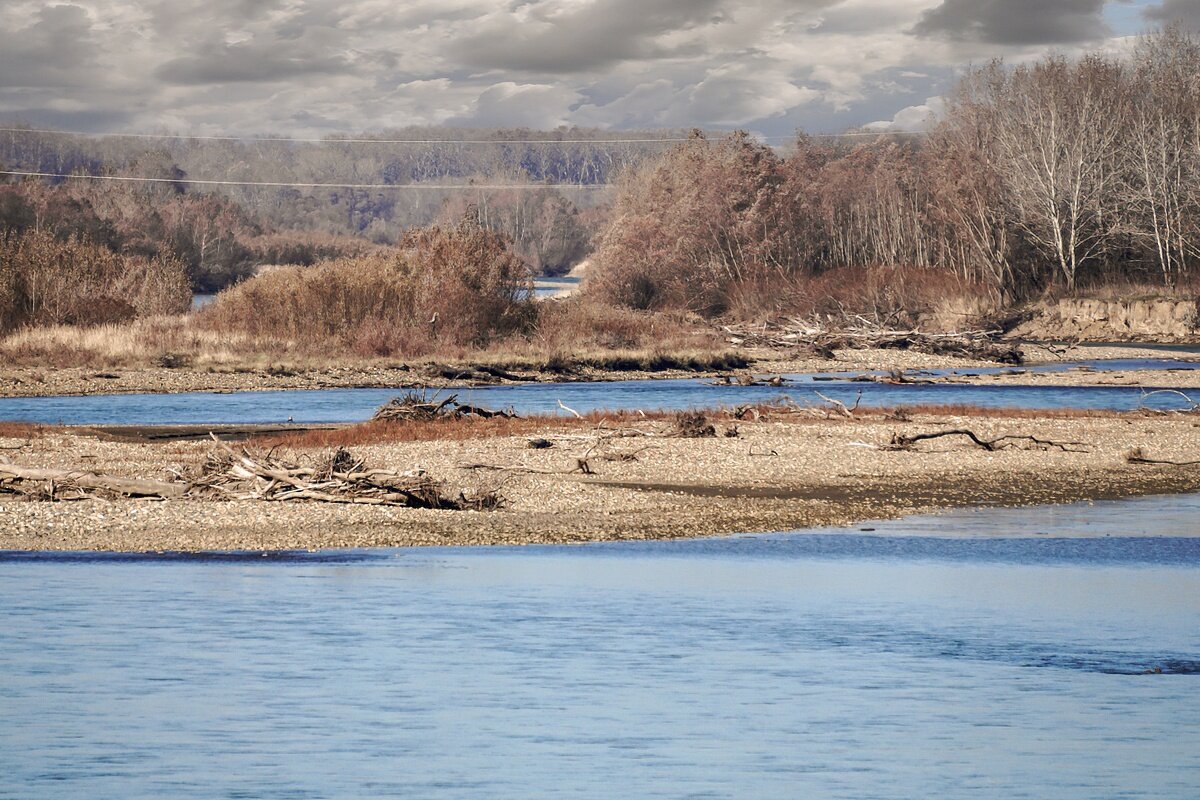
(44, 281)
(585, 323)
(440, 289)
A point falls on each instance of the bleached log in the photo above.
(92, 481)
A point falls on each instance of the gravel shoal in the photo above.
(779, 474)
(34, 382)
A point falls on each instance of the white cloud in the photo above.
(913, 118)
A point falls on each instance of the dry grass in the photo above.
(22, 430)
(180, 342)
(1117, 289)
(168, 341)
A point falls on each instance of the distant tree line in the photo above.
(429, 155)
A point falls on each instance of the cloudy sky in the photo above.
(305, 67)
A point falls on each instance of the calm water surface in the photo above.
(889, 664)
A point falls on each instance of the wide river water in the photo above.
(984, 654)
(352, 405)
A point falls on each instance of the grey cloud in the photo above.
(1015, 22)
(1186, 12)
(600, 33)
(248, 62)
(55, 49)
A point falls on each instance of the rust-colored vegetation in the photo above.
(448, 428)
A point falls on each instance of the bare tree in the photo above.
(1057, 127)
(1161, 193)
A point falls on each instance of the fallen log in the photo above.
(27, 480)
(1138, 456)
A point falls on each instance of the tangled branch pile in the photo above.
(417, 408)
(229, 475)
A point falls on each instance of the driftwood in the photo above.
(906, 442)
(581, 465)
(414, 407)
(341, 478)
(749, 379)
(478, 373)
(692, 425)
(839, 407)
(58, 484)
(1193, 405)
(1138, 456)
(229, 475)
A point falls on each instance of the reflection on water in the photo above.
(832, 665)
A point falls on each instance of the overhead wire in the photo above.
(367, 140)
(305, 185)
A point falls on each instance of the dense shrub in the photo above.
(46, 281)
(440, 287)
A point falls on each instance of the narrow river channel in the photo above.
(352, 405)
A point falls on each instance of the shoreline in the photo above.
(855, 527)
(781, 473)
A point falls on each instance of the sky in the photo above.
(313, 67)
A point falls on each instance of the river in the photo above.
(352, 405)
(992, 654)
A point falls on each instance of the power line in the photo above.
(329, 140)
(280, 184)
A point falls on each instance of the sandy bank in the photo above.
(781, 473)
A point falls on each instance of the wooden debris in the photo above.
(839, 407)
(1138, 456)
(692, 425)
(1193, 406)
(57, 484)
(749, 379)
(858, 333)
(342, 478)
(415, 407)
(475, 373)
(906, 442)
(229, 475)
